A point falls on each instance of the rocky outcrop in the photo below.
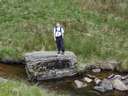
(48, 65)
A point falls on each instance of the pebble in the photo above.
(96, 70)
(88, 80)
(97, 81)
(80, 84)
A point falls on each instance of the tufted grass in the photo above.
(96, 32)
(19, 88)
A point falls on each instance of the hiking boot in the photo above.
(62, 53)
(58, 52)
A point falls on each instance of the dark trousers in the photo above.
(60, 43)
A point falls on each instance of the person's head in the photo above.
(58, 24)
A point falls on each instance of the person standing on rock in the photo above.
(58, 37)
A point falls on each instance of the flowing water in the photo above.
(61, 86)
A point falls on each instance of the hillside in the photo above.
(94, 30)
(100, 31)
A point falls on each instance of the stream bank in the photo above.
(62, 86)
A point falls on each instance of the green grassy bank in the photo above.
(94, 30)
(93, 33)
(18, 88)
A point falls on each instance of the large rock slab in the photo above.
(44, 65)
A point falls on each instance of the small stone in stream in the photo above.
(79, 84)
(99, 88)
(119, 85)
(97, 70)
(107, 84)
(97, 81)
(88, 80)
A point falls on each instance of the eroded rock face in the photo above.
(47, 65)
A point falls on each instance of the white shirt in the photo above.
(59, 31)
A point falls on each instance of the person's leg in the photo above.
(62, 45)
(58, 44)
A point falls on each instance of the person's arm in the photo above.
(62, 32)
(54, 32)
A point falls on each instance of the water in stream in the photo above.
(61, 86)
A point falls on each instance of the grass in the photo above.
(97, 32)
(18, 88)
(116, 7)
(94, 30)
(12, 88)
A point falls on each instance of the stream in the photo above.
(61, 86)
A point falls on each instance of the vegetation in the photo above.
(12, 88)
(98, 26)
(16, 88)
(94, 30)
